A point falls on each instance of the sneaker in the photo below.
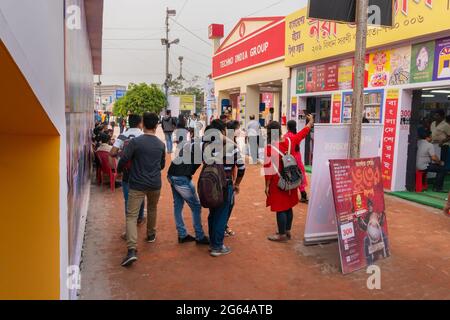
(222, 252)
(130, 258)
(186, 239)
(151, 239)
(204, 241)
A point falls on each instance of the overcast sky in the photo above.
(139, 60)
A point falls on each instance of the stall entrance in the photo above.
(426, 106)
(320, 108)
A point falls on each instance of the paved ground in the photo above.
(258, 269)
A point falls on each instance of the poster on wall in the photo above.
(360, 212)
(331, 81)
(321, 72)
(337, 106)
(345, 74)
(379, 69)
(331, 142)
(400, 66)
(389, 136)
(422, 62)
(268, 99)
(442, 60)
(311, 76)
(301, 81)
(294, 108)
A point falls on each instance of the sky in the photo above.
(136, 55)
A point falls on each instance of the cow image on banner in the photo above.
(360, 212)
(331, 142)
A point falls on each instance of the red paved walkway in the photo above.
(258, 269)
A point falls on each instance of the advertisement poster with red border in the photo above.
(337, 106)
(360, 212)
(331, 81)
(390, 128)
(321, 76)
(311, 79)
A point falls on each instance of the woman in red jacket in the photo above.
(292, 131)
(278, 200)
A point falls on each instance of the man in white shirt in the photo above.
(253, 134)
(135, 123)
(427, 161)
(440, 130)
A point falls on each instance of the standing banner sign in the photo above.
(389, 134)
(331, 142)
(360, 212)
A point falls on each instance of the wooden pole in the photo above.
(360, 66)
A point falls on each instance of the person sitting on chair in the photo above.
(428, 161)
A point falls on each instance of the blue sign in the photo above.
(120, 94)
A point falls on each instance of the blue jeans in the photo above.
(218, 218)
(183, 190)
(169, 142)
(126, 191)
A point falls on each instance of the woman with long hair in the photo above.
(292, 131)
(278, 200)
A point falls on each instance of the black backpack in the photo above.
(212, 186)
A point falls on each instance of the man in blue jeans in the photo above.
(180, 178)
(135, 122)
(218, 218)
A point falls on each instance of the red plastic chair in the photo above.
(106, 169)
(421, 181)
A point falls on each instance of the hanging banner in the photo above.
(360, 212)
(389, 136)
(400, 66)
(311, 79)
(422, 62)
(331, 76)
(294, 108)
(379, 69)
(345, 74)
(442, 60)
(310, 40)
(331, 142)
(337, 107)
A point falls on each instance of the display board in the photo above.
(360, 212)
(331, 142)
(373, 106)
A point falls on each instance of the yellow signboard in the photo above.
(310, 40)
(187, 103)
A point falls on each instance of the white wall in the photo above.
(33, 33)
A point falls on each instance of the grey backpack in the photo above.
(290, 175)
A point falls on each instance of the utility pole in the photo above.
(362, 7)
(166, 42)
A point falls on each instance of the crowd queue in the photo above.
(214, 151)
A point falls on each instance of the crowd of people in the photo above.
(214, 151)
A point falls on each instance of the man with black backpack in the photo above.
(121, 142)
(169, 124)
(217, 187)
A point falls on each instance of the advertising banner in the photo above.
(310, 40)
(301, 81)
(187, 103)
(262, 47)
(400, 66)
(294, 108)
(336, 108)
(331, 80)
(311, 79)
(345, 74)
(389, 136)
(321, 74)
(331, 142)
(422, 62)
(360, 212)
(379, 69)
(442, 60)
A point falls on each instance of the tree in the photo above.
(140, 98)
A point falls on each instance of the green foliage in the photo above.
(140, 98)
